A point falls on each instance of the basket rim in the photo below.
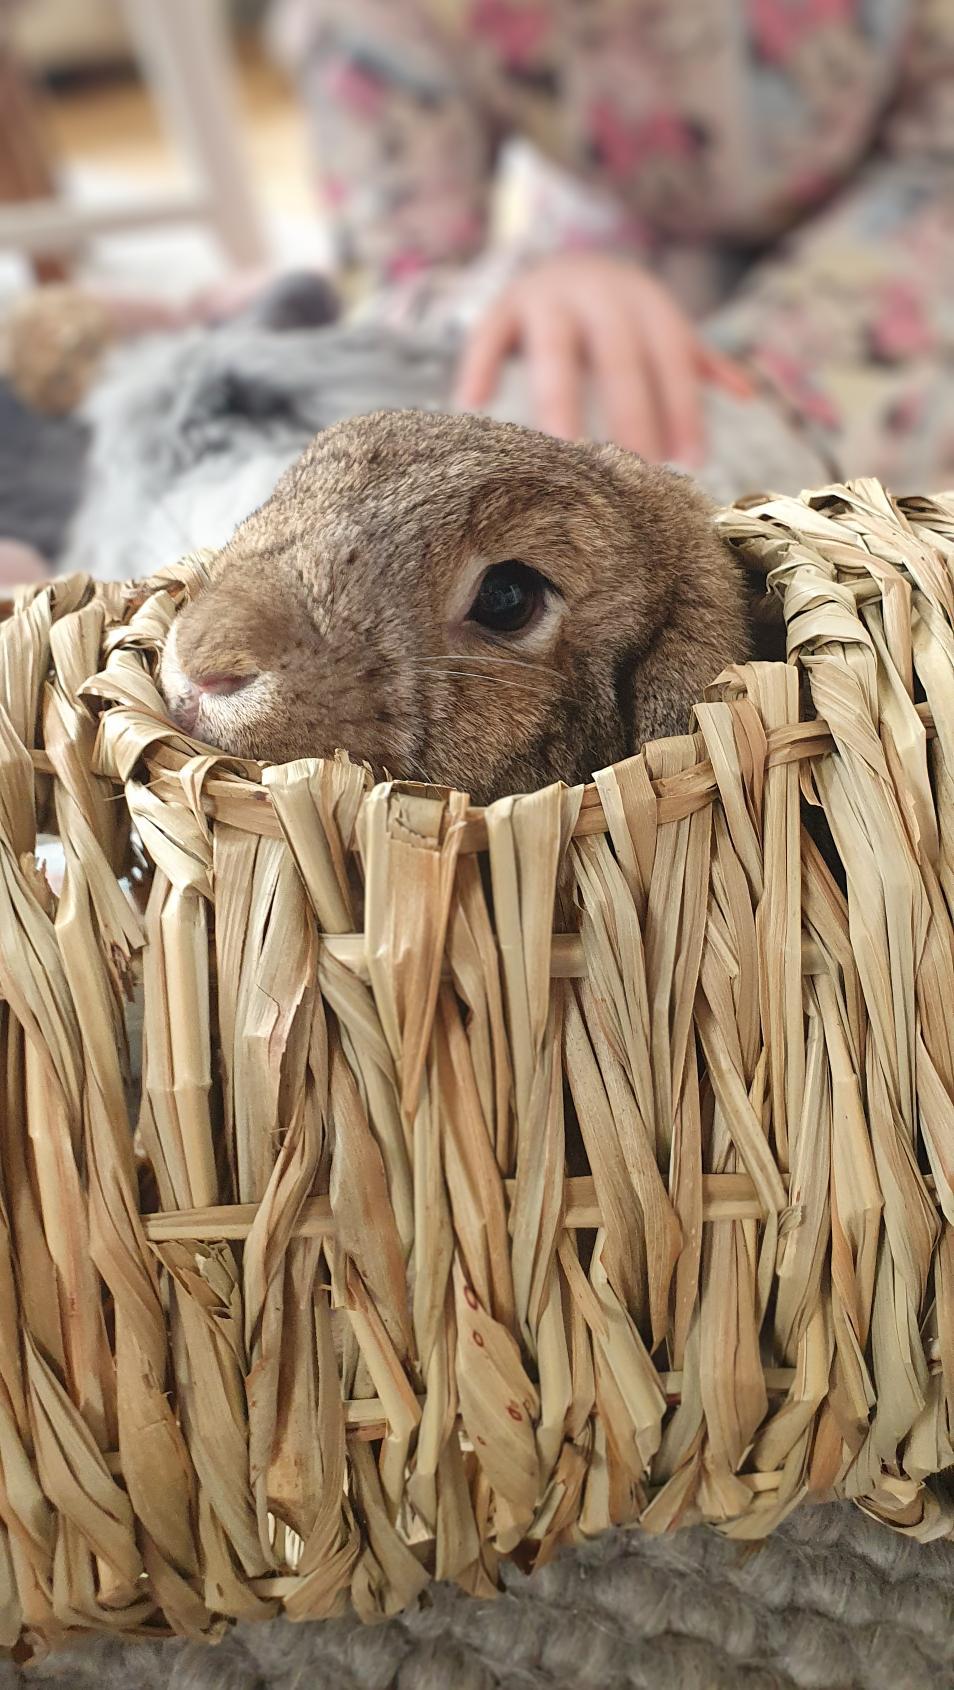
(245, 803)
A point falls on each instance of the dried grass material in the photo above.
(469, 1213)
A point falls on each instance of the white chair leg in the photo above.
(184, 51)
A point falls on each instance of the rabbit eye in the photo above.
(508, 598)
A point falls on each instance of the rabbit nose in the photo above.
(184, 708)
(191, 693)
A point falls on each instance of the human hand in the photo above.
(588, 314)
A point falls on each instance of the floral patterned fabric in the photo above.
(786, 165)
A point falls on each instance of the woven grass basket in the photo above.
(335, 1311)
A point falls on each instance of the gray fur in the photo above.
(191, 431)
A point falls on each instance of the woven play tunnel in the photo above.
(494, 1177)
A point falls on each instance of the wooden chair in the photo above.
(183, 51)
(26, 168)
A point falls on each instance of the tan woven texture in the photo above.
(498, 1176)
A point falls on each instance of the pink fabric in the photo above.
(819, 133)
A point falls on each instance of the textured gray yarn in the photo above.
(832, 1602)
(41, 474)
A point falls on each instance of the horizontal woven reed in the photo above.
(498, 1176)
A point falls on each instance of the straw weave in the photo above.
(498, 1176)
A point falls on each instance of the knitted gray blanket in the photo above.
(832, 1602)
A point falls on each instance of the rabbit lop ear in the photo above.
(685, 500)
(765, 612)
(693, 594)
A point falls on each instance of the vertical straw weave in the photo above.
(469, 1213)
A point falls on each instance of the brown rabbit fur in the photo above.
(339, 613)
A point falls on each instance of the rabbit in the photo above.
(462, 602)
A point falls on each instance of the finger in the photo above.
(724, 372)
(479, 368)
(555, 371)
(671, 360)
(624, 386)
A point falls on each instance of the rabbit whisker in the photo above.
(487, 657)
(515, 682)
(417, 768)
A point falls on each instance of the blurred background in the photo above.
(720, 236)
(167, 136)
